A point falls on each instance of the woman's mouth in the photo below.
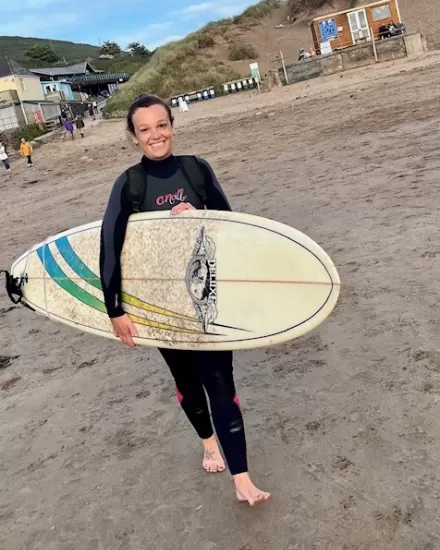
(158, 144)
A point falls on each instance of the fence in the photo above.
(291, 70)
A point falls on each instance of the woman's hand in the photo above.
(181, 207)
(124, 329)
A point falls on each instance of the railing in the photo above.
(55, 96)
(8, 96)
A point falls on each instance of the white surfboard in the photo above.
(201, 280)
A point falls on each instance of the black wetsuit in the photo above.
(192, 370)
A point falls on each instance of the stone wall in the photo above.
(352, 58)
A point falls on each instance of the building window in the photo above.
(381, 12)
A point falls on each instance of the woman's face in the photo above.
(153, 131)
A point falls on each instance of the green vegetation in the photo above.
(11, 138)
(258, 11)
(42, 54)
(298, 6)
(16, 48)
(34, 53)
(110, 48)
(186, 65)
(137, 49)
(179, 67)
(124, 64)
(239, 51)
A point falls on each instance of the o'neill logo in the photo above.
(201, 280)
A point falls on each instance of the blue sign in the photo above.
(328, 30)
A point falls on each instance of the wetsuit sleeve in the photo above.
(216, 199)
(114, 225)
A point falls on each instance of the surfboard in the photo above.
(201, 280)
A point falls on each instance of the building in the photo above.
(14, 77)
(343, 29)
(21, 97)
(83, 78)
(59, 90)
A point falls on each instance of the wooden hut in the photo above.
(354, 26)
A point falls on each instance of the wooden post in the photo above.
(284, 67)
(374, 45)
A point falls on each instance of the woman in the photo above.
(79, 122)
(68, 126)
(150, 125)
(4, 157)
(26, 150)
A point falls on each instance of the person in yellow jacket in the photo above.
(26, 151)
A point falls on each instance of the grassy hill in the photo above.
(17, 46)
(195, 61)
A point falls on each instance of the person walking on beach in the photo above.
(79, 122)
(68, 126)
(170, 187)
(26, 150)
(4, 157)
(91, 111)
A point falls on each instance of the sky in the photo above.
(150, 22)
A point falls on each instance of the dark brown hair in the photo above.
(143, 102)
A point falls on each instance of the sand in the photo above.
(342, 424)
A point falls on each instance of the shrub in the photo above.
(261, 9)
(175, 68)
(12, 138)
(205, 41)
(239, 51)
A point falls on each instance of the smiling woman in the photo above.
(176, 184)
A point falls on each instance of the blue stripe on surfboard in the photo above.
(75, 262)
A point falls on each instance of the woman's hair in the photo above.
(143, 102)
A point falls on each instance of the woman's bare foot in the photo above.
(212, 458)
(246, 490)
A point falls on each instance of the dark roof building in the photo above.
(65, 72)
(9, 67)
(83, 77)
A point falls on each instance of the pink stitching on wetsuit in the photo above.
(179, 396)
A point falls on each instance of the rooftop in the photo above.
(9, 67)
(77, 69)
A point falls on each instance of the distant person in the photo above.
(80, 125)
(303, 55)
(68, 126)
(95, 107)
(91, 111)
(26, 150)
(4, 157)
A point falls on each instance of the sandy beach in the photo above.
(342, 424)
